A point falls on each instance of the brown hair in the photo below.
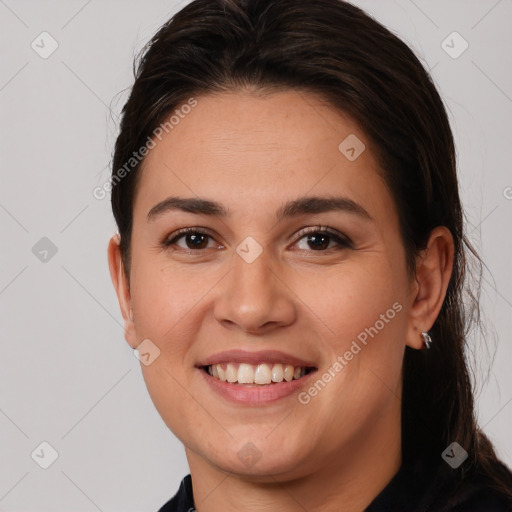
(333, 49)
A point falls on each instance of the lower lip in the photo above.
(255, 394)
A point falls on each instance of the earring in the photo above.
(427, 340)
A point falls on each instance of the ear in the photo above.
(428, 290)
(122, 287)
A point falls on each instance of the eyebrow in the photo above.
(293, 208)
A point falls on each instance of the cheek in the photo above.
(350, 297)
(163, 295)
(165, 304)
(360, 312)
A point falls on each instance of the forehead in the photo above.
(250, 151)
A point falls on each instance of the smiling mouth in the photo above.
(261, 374)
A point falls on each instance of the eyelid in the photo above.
(325, 230)
(173, 237)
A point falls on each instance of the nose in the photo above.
(254, 298)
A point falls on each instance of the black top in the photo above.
(421, 489)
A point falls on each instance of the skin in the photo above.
(252, 153)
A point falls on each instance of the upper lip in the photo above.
(243, 356)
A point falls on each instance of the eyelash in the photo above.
(343, 241)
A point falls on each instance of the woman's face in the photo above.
(267, 284)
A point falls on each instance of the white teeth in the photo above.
(221, 372)
(277, 373)
(262, 374)
(231, 373)
(245, 374)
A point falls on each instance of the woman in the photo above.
(291, 261)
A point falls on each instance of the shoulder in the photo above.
(483, 500)
(183, 500)
(434, 486)
(474, 493)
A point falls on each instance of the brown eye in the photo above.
(319, 239)
(194, 239)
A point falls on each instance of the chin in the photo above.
(259, 460)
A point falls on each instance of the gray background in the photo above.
(67, 375)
